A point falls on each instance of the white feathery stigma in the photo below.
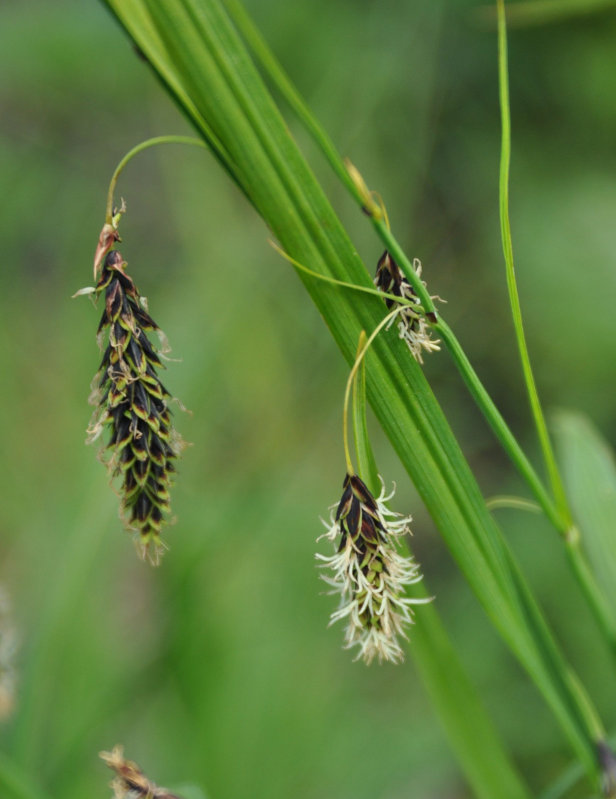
(412, 327)
(369, 573)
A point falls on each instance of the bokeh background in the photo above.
(217, 669)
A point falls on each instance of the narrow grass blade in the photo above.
(512, 286)
(204, 57)
(469, 730)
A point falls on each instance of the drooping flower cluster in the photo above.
(369, 573)
(132, 403)
(412, 327)
(130, 782)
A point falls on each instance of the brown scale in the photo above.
(390, 279)
(357, 515)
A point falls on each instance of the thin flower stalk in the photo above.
(130, 782)
(412, 326)
(133, 404)
(369, 573)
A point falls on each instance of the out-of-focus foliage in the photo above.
(217, 669)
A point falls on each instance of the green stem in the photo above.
(499, 425)
(514, 298)
(408, 304)
(366, 463)
(586, 580)
(361, 352)
(144, 145)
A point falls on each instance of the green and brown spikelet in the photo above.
(369, 573)
(412, 326)
(132, 403)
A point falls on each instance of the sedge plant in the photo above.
(385, 326)
(203, 62)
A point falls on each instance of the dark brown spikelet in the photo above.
(369, 573)
(358, 518)
(390, 279)
(412, 326)
(132, 403)
(130, 782)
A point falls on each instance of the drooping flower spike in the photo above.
(369, 573)
(129, 397)
(132, 403)
(367, 570)
(412, 326)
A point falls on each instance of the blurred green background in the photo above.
(218, 669)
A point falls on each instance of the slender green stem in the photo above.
(499, 426)
(514, 298)
(586, 580)
(144, 145)
(593, 594)
(411, 306)
(361, 352)
(366, 466)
